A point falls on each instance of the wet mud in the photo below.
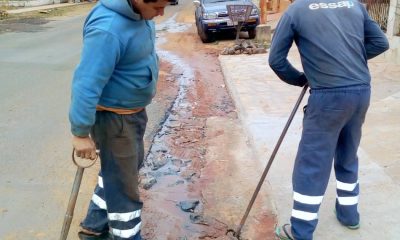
(172, 180)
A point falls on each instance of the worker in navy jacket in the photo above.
(335, 40)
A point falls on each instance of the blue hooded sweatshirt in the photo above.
(335, 39)
(118, 67)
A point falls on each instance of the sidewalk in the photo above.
(264, 103)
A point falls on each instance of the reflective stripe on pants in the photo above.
(331, 130)
(115, 205)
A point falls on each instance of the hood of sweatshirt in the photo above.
(122, 7)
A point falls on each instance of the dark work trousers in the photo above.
(115, 205)
(331, 131)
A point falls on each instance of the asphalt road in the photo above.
(36, 173)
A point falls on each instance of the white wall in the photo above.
(394, 18)
(31, 3)
(393, 31)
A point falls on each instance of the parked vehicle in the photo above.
(175, 2)
(212, 17)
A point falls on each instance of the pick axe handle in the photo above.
(271, 159)
(72, 201)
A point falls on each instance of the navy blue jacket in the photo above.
(335, 39)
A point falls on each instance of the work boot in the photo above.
(284, 232)
(88, 235)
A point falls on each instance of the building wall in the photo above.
(394, 18)
(30, 3)
(393, 31)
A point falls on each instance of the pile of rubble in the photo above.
(244, 47)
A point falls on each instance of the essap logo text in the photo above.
(341, 4)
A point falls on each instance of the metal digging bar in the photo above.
(236, 233)
(74, 195)
(239, 14)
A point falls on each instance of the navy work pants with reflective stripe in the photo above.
(331, 130)
(115, 205)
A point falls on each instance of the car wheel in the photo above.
(204, 36)
(252, 33)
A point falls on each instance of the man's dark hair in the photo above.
(147, 1)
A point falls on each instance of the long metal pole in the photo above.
(74, 194)
(71, 204)
(271, 159)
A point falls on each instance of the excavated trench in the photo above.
(174, 164)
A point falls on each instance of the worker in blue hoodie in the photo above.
(113, 83)
(335, 39)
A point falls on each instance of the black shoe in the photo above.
(103, 236)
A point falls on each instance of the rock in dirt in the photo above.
(159, 162)
(189, 205)
(188, 174)
(177, 162)
(148, 182)
(197, 218)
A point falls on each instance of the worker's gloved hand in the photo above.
(302, 80)
(84, 147)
